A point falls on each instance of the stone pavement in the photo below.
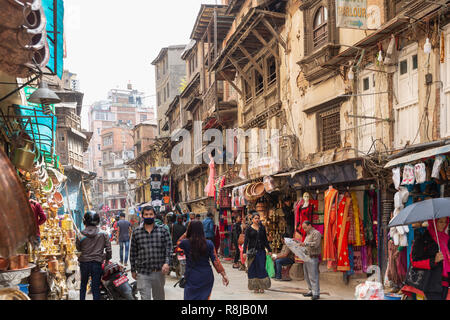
(332, 287)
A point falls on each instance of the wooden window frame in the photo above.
(331, 111)
(322, 38)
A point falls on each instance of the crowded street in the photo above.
(237, 290)
(225, 150)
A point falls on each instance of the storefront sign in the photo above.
(351, 14)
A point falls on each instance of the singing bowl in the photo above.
(18, 224)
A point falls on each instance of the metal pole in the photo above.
(437, 237)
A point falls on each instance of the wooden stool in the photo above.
(285, 272)
(296, 272)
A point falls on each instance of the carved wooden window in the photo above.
(320, 28)
(271, 71)
(259, 83)
(329, 126)
(248, 90)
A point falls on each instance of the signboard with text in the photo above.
(351, 14)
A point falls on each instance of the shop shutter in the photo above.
(407, 116)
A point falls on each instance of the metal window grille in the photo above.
(330, 127)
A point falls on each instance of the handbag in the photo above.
(181, 283)
(417, 278)
(251, 253)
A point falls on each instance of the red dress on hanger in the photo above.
(302, 215)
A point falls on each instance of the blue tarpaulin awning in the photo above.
(54, 12)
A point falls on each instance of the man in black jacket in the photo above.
(95, 248)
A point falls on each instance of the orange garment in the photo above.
(343, 226)
(330, 227)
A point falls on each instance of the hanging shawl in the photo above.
(330, 226)
(368, 226)
(359, 232)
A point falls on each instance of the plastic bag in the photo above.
(437, 166)
(420, 173)
(408, 174)
(369, 290)
(270, 268)
(396, 177)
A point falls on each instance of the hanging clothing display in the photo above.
(303, 214)
(368, 224)
(358, 226)
(210, 188)
(329, 250)
(343, 225)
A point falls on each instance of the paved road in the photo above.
(237, 289)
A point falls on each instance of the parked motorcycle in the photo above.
(115, 284)
(178, 264)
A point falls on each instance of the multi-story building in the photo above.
(124, 109)
(116, 148)
(144, 135)
(169, 73)
(206, 102)
(71, 144)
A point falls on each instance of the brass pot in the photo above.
(53, 266)
(38, 296)
(23, 261)
(14, 263)
(24, 157)
(4, 264)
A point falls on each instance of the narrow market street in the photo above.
(307, 139)
(237, 289)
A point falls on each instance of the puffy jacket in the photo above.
(93, 245)
(208, 227)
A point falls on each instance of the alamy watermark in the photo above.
(240, 145)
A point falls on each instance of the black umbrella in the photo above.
(431, 209)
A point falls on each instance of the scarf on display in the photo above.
(330, 225)
(359, 230)
(368, 225)
(373, 202)
(443, 242)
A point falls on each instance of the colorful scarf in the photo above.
(359, 232)
(368, 231)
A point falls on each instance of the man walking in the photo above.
(93, 245)
(151, 250)
(311, 268)
(124, 230)
(208, 227)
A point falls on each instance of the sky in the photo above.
(110, 42)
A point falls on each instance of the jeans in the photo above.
(94, 270)
(151, 284)
(123, 244)
(279, 263)
(311, 272)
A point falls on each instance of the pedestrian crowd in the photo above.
(151, 243)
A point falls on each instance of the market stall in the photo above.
(416, 177)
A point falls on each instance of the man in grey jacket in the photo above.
(311, 268)
(95, 248)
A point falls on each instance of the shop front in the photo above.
(342, 200)
(416, 177)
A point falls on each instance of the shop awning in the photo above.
(338, 172)
(419, 155)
